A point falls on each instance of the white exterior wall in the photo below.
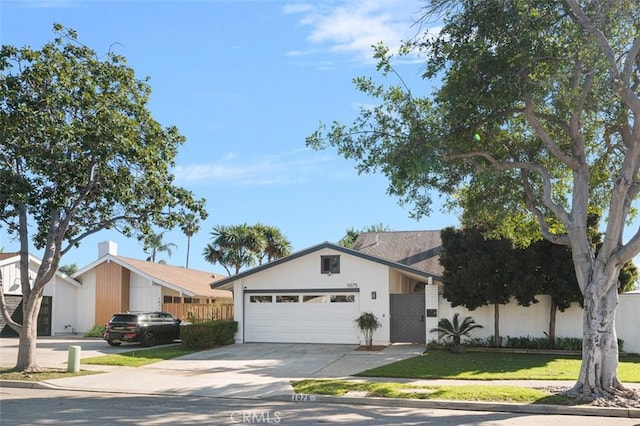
(86, 306)
(11, 279)
(143, 295)
(64, 296)
(533, 321)
(431, 302)
(628, 321)
(304, 273)
(65, 299)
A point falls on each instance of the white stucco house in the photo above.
(315, 295)
(57, 312)
(108, 285)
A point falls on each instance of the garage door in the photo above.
(301, 317)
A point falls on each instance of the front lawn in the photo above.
(496, 366)
(510, 394)
(47, 374)
(140, 357)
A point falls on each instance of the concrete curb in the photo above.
(386, 402)
(470, 406)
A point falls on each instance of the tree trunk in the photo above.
(26, 360)
(553, 310)
(496, 325)
(599, 371)
(188, 247)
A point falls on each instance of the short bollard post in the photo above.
(73, 363)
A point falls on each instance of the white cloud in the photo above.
(352, 27)
(277, 169)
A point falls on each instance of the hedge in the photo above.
(204, 335)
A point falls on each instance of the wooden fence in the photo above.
(199, 311)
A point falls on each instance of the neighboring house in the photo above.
(117, 284)
(110, 284)
(315, 295)
(57, 312)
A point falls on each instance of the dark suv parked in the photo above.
(148, 328)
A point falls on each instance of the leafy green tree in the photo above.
(536, 120)
(79, 152)
(454, 330)
(628, 277)
(477, 271)
(352, 234)
(153, 245)
(69, 269)
(545, 268)
(189, 229)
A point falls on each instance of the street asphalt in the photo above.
(258, 371)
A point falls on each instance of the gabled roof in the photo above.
(9, 258)
(190, 282)
(418, 249)
(4, 256)
(318, 247)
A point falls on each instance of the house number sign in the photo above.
(352, 285)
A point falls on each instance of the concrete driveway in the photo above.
(247, 370)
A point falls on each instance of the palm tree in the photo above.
(233, 246)
(454, 331)
(238, 246)
(190, 228)
(154, 245)
(276, 244)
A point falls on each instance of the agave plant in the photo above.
(454, 330)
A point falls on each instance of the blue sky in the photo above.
(246, 82)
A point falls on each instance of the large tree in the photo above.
(79, 152)
(237, 246)
(153, 245)
(352, 234)
(189, 229)
(537, 119)
(479, 272)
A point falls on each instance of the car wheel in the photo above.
(112, 343)
(149, 339)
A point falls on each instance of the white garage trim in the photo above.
(301, 316)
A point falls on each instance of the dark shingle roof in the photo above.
(418, 249)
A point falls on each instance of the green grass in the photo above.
(140, 357)
(496, 366)
(48, 374)
(510, 394)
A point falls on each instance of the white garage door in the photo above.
(301, 317)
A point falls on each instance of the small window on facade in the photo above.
(196, 301)
(187, 300)
(316, 298)
(341, 298)
(260, 299)
(167, 299)
(287, 299)
(329, 264)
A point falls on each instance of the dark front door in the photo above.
(407, 318)
(14, 306)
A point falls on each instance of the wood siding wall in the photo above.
(201, 311)
(112, 291)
